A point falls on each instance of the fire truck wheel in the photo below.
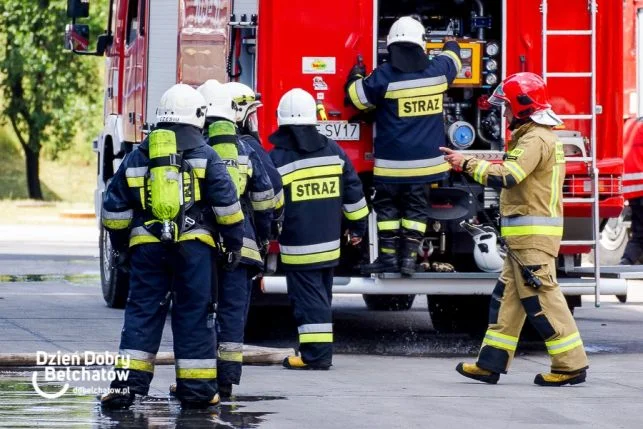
(614, 238)
(459, 314)
(389, 302)
(115, 283)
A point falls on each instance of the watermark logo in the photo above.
(72, 367)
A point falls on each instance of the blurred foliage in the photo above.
(49, 94)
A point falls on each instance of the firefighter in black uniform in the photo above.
(156, 204)
(319, 182)
(407, 93)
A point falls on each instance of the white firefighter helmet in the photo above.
(297, 107)
(218, 100)
(245, 98)
(181, 104)
(486, 252)
(406, 29)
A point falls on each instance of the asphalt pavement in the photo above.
(391, 368)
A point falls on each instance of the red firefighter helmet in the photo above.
(526, 93)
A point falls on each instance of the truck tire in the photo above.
(459, 313)
(115, 284)
(389, 302)
(614, 238)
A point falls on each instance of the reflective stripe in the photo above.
(315, 327)
(358, 96)
(140, 235)
(279, 199)
(263, 205)
(554, 192)
(312, 248)
(135, 176)
(454, 57)
(632, 188)
(312, 172)
(250, 250)
(516, 231)
(316, 338)
(138, 354)
(416, 87)
(531, 221)
(413, 225)
(202, 235)
(200, 373)
(231, 352)
(262, 196)
(136, 365)
(243, 159)
(501, 341)
(228, 215)
(314, 258)
(388, 251)
(564, 344)
(117, 220)
(420, 167)
(516, 170)
(632, 176)
(198, 167)
(388, 225)
(356, 211)
(481, 169)
(310, 162)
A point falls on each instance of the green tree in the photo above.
(48, 93)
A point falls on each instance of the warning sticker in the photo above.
(318, 65)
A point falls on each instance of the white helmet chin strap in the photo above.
(546, 117)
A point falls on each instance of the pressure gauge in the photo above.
(465, 54)
(461, 134)
(492, 49)
(491, 65)
(491, 79)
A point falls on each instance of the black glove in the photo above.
(358, 71)
(231, 260)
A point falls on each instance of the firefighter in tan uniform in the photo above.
(531, 207)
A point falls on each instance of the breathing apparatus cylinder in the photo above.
(222, 136)
(166, 182)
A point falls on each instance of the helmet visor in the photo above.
(498, 98)
(252, 123)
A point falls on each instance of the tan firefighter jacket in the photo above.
(531, 178)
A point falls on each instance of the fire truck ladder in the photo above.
(591, 116)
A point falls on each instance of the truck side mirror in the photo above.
(77, 8)
(77, 37)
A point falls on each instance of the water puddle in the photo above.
(22, 407)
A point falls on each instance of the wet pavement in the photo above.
(391, 370)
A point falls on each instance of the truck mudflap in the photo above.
(448, 284)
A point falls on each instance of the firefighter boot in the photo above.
(387, 261)
(296, 362)
(551, 379)
(408, 262)
(116, 401)
(471, 370)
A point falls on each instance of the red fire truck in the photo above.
(585, 51)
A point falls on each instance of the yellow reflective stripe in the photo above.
(481, 169)
(142, 239)
(117, 223)
(388, 225)
(136, 182)
(454, 57)
(501, 341)
(142, 196)
(564, 344)
(199, 173)
(357, 215)
(326, 337)
(307, 173)
(387, 251)
(411, 172)
(413, 225)
(514, 231)
(516, 171)
(263, 205)
(202, 373)
(554, 192)
(205, 238)
(135, 364)
(416, 92)
(230, 219)
(352, 93)
(251, 254)
(312, 258)
(279, 200)
(230, 356)
(197, 191)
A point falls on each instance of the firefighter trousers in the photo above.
(310, 293)
(634, 250)
(401, 209)
(232, 311)
(513, 300)
(185, 270)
